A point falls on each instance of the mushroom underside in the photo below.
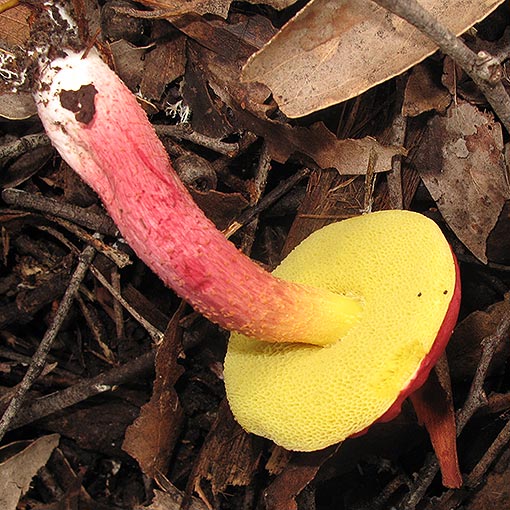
(305, 397)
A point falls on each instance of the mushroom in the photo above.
(100, 130)
(306, 398)
(334, 340)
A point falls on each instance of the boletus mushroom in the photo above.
(334, 340)
(306, 398)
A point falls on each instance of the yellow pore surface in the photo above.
(305, 397)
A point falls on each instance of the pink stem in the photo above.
(100, 130)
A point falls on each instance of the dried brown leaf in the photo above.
(465, 346)
(14, 28)
(210, 70)
(423, 94)
(299, 472)
(460, 160)
(129, 62)
(218, 7)
(17, 471)
(178, 8)
(163, 64)
(333, 50)
(172, 499)
(152, 436)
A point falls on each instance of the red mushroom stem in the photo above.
(100, 130)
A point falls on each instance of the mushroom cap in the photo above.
(305, 397)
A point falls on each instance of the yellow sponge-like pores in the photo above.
(305, 397)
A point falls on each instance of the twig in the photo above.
(478, 472)
(185, 132)
(256, 191)
(118, 257)
(39, 358)
(98, 222)
(269, 199)
(397, 137)
(117, 307)
(49, 404)
(482, 68)
(155, 333)
(22, 145)
(475, 400)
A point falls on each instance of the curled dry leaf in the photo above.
(333, 50)
(460, 160)
(17, 471)
(247, 111)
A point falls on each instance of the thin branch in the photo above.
(186, 132)
(98, 222)
(22, 145)
(482, 68)
(154, 332)
(475, 400)
(39, 358)
(266, 201)
(49, 404)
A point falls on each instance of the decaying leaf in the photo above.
(423, 93)
(163, 64)
(171, 499)
(333, 50)
(221, 75)
(14, 28)
(129, 62)
(218, 7)
(297, 474)
(18, 469)
(460, 160)
(465, 347)
(152, 436)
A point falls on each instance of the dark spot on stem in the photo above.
(80, 102)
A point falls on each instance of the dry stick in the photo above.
(119, 258)
(25, 144)
(97, 222)
(475, 400)
(186, 132)
(269, 199)
(482, 68)
(117, 307)
(478, 472)
(39, 359)
(154, 332)
(259, 185)
(44, 406)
